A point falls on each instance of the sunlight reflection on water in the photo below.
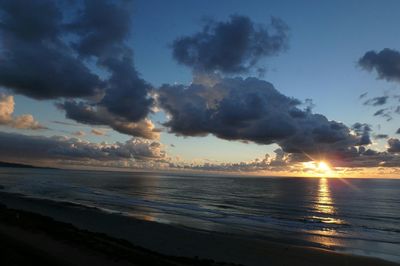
(324, 204)
(325, 207)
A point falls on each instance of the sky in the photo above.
(267, 87)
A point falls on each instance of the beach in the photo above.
(112, 239)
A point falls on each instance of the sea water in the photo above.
(358, 216)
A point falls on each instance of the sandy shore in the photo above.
(119, 240)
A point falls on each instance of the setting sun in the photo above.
(318, 168)
(323, 166)
(323, 169)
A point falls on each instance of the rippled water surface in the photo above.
(360, 216)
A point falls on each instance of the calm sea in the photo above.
(359, 216)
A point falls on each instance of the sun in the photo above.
(323, 169)
(323, 166)
(318, 168)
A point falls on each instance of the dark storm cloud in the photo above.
(103, 27)
(377, 101)
(25, 19)
(35, 61)
(226, 109)
(231, 47)
(96, 115)
(23, 147)
(253, 110)
(386, 63)
(127, 95)
(46, 56)
(45, 73)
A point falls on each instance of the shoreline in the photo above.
(183, 242)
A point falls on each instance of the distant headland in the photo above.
(19, 165)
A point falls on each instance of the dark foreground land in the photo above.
(31, 239)
(82, 236)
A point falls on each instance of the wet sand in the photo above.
(66, 234)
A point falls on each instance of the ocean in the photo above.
(358, 216)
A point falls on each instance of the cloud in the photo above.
(102, 28)
(20, 147)
(385, 63)
(232, 46)
(6, 108)
(394, 145)
(377, 101)
(79, 133)
(97, 115)
(93, 33)
(295, 163)
(384, 112)
(363, 95)
(127, 95)
(64, 123)
(25, 121)
(366, 158)
(389, 110)
(253, 110)
(363, 130)
(278, 163)
(35, 60)
(381, 136)
(98, 132)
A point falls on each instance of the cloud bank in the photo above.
(253, 110)
(20, 147)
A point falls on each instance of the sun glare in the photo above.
(318, 168)
(323, 169)
(323, 166)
